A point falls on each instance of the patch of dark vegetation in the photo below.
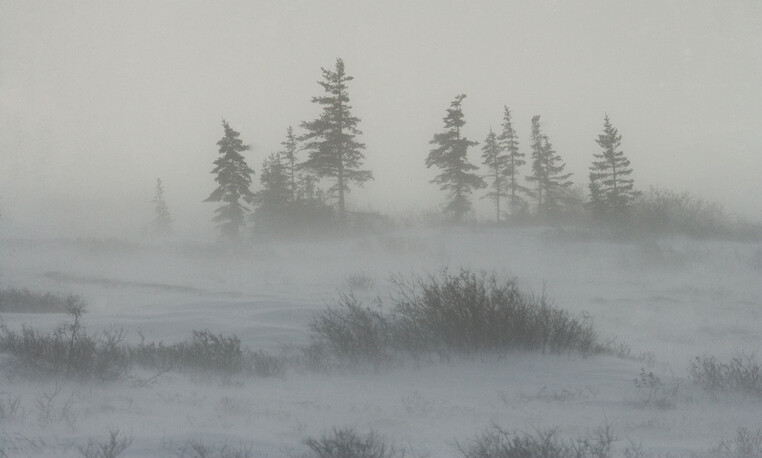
(498, 443)
(665, 212)
(196, 449)
(204, 350)
(654, 392)
(741, 374)
(348, 443)
(745, 444)
(68, 351)
(352, 332)
(16, 300)
(464, 313)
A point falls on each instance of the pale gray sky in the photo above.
(98, 99)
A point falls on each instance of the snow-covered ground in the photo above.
(670, 300)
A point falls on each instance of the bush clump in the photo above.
(465, 313)
(472, 312)
(497, 443)
(353, 332)
(68, 351)
(741, 374)
(348, 443)
(665, 212)
(205, 350)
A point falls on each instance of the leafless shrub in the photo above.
(68, 351)
(655, 392)
(205, 350)
(264, 364)
(360, 281)
(11, 409)
(348, 443)
(198, 449)
(353, 332)
(52, 408)
(470, 312)
(661, 211)
(741, 374)
(745, 444)
(498, 443)
(109, 448)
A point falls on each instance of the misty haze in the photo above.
(380, 229)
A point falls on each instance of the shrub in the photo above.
(661, 211)
(205, 350)
(546, 444)
(110, 448)
(25, 301)
(361, 281)
(741, 374)
(464, 313)
(469, 312)
(197, 449)
(655, 392)
(67, 351)
(264, 364)
(497, 443)
(353, 332)
(745, 444)
(347, 443)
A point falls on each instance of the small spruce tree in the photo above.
(274, 198)
(611, 188)
(450, 155)
(496, 163)
(548, 172)
(509, 142)
(233, 177)
(162, 221)
(290, 148)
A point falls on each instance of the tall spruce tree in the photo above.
(496, 163)
(509, 142)
(450, 155)
(548, 172)
(162, 221)
(233, 176)
(611, 188)
(331, 141)
(290, 148)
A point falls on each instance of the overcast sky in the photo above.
(99, 99)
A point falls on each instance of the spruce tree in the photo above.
(496, 163)
(334, 151)
(275, 197)
(451, 156)
(548, 172)
(162, 222)
(290, 148)
(233, 176)
(509, 142)
(611, 188)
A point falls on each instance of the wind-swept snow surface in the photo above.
(669, 300)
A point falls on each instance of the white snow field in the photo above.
(670, 300)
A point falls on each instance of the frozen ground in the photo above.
(669, 300)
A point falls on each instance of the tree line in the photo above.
(291, 193)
